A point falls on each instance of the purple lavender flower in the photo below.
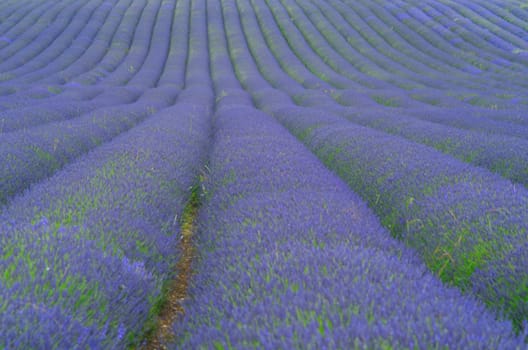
(31, 155)
(305, 264)
(92, 245)
(455, 215)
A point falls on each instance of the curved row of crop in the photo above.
(148, 73)
(61, 129)
(27, 29)
(33, 95)
(11, 10)
(443, 250)
(445, 34)
(66, 49)
(336, 279)
(474, 28)
(64, 108)
(503, 79)
(500, 154)
(34, 154)
(11, 16)
(129, 69)
(242, 170)
(53, 49)
(176, 63)
(114, 55)
(433, 41)
(139, 45)
(52, 27)
(94, 51)
(119, 204)
(84, 254)
(321, 69)
(115, 50)
(423, 73)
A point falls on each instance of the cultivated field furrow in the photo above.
(64, 108)
(384, 54)
(53, 49)
(176, 63)
(330, 281)
(69, 48)
(113, 48)
(12, 12)
(286, 54)
(194, 174)
(442, 255)
(17, 35)
(52, 27)
(506, 156)
(97, 47)
(323, 37)
(33, 154)
(474, 27)
(97, 241)
(136, 52)
(319, 63)
(149, 72)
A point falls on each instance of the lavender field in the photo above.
(263, 174)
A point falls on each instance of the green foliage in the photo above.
(386, 101)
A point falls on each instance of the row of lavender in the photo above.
(305, 264)
(85, 253)
(306, 68)
(95, 44)
(123, 49)
(474, 235)
(505, 155)
(69, 120)
(105, 51)
(33, 154)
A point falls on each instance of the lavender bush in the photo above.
(134, 55)
(31, 155)
(74, 24)
(461, 219)
(85, 253)
(305, 264)
(106, 108)
(112, 50)
(504, 155)
(93, 54)
(59, 110)
(66, 51)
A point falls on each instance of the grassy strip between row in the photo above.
(158, 328)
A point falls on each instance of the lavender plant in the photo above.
(134, 55)
(504, 155)
(288, 255)
(113, 50)
(59, 110)
(19, 35)
(85, 253)
(46, 34)
(461, 219)
(66, 51)
(305, 264)
(74, 23)
(174, 67)
(97, 47)
(28, 156)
